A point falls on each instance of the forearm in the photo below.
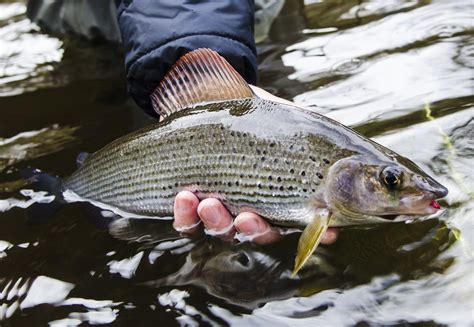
(156, 34)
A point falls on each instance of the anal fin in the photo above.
(311, 237)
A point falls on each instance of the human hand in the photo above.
(216, 219)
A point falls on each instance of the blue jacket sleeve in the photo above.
(156, 33)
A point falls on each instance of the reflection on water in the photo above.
(34, 144)
(375, 65)
(25, 54)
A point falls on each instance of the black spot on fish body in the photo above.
(326, 161)
(278, 179)
(303, 173)
(320, 176)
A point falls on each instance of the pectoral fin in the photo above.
(310, 238)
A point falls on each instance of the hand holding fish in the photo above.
(188, 211)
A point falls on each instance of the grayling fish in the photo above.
(290, 165)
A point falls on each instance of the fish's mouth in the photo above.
(414, 206)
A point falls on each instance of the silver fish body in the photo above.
(253, 154)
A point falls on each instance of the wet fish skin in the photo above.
(253, 154)
(224, 151)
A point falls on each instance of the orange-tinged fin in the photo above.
(198, 77)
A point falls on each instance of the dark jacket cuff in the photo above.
(156, 34)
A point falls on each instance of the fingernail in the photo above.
(188, 228)
(212, 215)
(249, 226)
(254, 226)
(182, 208)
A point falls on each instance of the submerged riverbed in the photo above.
(400, 72)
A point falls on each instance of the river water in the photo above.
(400, 72)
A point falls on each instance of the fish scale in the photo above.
(143, 172)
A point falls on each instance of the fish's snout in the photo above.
(440, 191)
(436, 189)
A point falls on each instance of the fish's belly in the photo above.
(158, 201)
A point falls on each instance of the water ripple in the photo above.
(25, 54)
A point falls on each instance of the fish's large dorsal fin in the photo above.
(198, 77)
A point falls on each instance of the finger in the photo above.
(215, 217)
(185, 211)
(256, 228)
(330, 236)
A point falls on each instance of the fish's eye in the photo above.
(391, 177)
